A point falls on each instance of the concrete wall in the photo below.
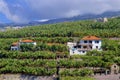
(96, 44)
(24, 77)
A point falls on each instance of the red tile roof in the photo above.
(27, 41)
(91, 38)
(15, 44)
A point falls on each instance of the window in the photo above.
(114, 66)
(83, 51)
(16, 48)
(90, 47)
(96, 41)
(75, 46)
(90, 41)
(96, 47)
(84, 47)
(85, 41)
(79, 46)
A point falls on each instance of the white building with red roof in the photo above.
(16, 45)
(87, 43)
(27, 42)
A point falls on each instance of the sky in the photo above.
(23, 11)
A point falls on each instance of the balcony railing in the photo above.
(85, 49)
(85, 44)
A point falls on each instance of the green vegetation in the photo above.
(76, 78)
(76, 72)
(28, 66)
(51, 43)
(27, 55)
(68, 29)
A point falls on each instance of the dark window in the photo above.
(84, 47)
(83, 51)
(85, 41)
(96, 41)
(96, 47)
(75, 46)
(79, 46)
(114, 66)
(90, 47)
(90, 41)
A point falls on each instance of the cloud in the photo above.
(63, 8)
(11, 12)
(27, 10)
(72, 13)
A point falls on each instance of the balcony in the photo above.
(83, 44)
(84, 49)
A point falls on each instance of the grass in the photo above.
(76, 78)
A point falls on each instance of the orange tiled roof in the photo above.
(15, 44)
(91, 38)
(27, 41)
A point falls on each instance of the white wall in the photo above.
(74, 51)
(96, 44)
(70, 44)
(14, 48)
(93, 43)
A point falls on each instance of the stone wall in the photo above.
(24, 77)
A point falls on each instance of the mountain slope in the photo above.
(107, 14)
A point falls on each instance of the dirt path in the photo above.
(114, 38)
(107, 77)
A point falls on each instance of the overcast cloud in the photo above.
(27, 10)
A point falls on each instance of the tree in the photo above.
(26, 47)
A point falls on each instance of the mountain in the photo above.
(107, 14)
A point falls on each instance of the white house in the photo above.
(16, 45)
(87, 43)
(27, 42)
(101, 20)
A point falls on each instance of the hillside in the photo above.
(51, 57)
(107, 14)
(68, 29)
